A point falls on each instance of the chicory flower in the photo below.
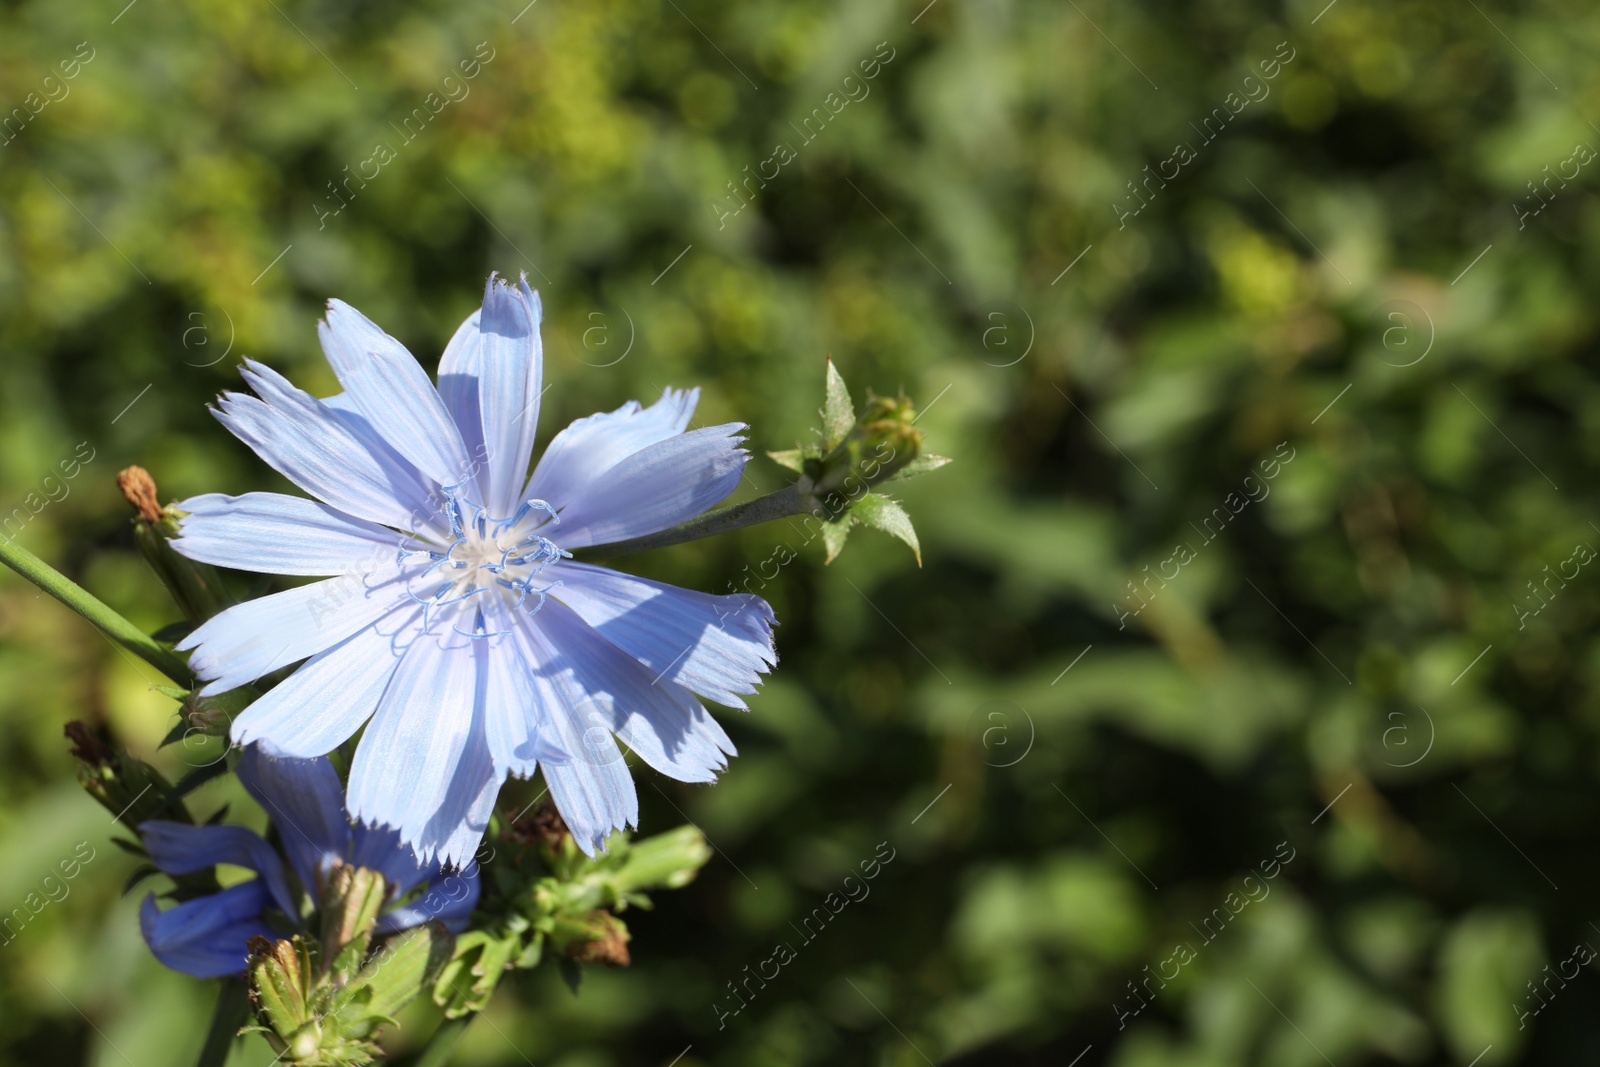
(457, 628)
(207, 936)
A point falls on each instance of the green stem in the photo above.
(233, 1008)
(778, 505)
(110, 623)
(443, 1042)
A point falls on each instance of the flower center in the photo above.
(489, 559)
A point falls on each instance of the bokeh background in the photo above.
(1376, 667)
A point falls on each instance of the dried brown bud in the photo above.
(609, 943)
(88, 747)
(544, 827)
(139, 489)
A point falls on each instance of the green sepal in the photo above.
(467, 981)
(881, 513)
(838, 413)
(532, 953)
(794, 458)
(408, 964)
(140, 873)
(925, 462)
(833, 536)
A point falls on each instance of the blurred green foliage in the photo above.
(1352, 665)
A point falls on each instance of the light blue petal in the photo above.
(458, 387)
(456, 830)
(593, 445)
(516, 724)
(261, 635)
(593, 790)
(320, 706)
(181, 848)
(453, 833)
(662, 722)
(490, 379)
(386, 384)
(310, 444)
(717, 646)
(270, 533)
(423, 736)
(659, 486)
(424, 500)
(207, 937)
(305, 801)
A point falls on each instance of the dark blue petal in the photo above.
(179, 848)
(306, 802)
(207, 937)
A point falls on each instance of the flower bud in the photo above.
(882, 441)
(663, 861)
(352, 897)
(129, 788)
(281, 987)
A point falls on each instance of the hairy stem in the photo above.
(443, 1042)
(110, 623)
(233, 1009)
(778, 505)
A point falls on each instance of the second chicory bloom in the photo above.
(208, 936)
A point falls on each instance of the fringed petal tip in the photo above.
(594, 844)
(504, 303)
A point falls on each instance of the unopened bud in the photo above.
(87, 747)
(663, 861)
(352, 897)
(882, 441)
(129, 788)
(281, 983)
(212, 716)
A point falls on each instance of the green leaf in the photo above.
(833, 535)
(927, 461)
(838, 414)
(881, 513)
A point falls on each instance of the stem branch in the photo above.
(96, 611)
(233, 1010)
(778, 505)
(443, 1042)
